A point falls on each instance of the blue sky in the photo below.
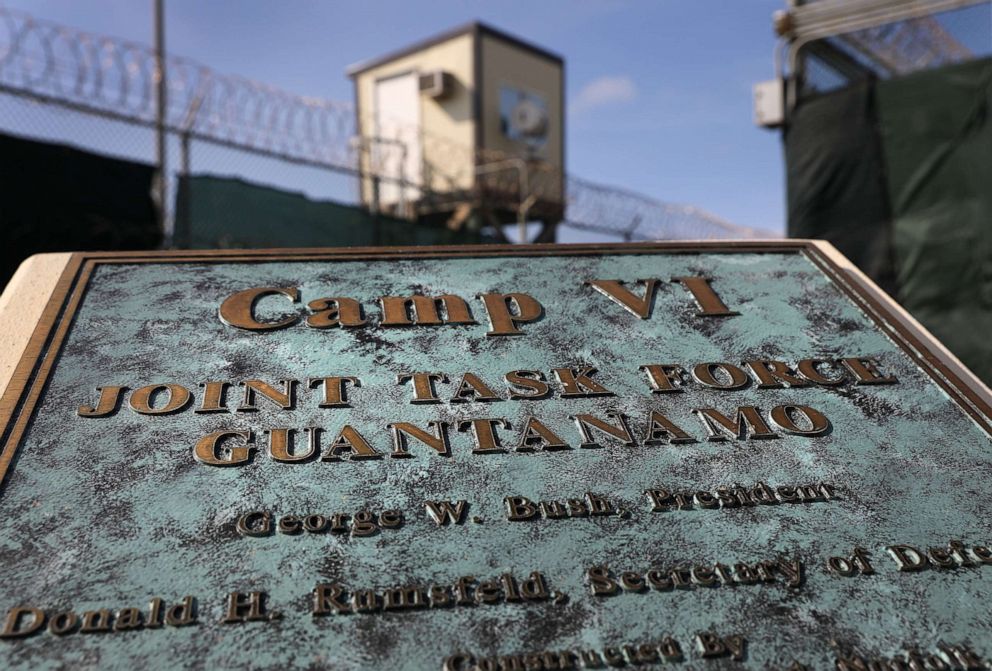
(659, 92)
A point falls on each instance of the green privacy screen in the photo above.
(57, 198)
(221, 212)
(898, 175)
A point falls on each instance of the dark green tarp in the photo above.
(898, 175)
(55, 198)
(836, 181)
(936, 130)
(218, 212)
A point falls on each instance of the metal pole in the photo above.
(526, 200)
(161, 184)
(182, 220)
(184, 158)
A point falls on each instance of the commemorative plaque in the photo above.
(722, 455)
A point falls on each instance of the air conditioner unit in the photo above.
(769, 103)
(435, 84)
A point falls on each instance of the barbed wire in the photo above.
(907, 46)
(646, 218)
(117, 79)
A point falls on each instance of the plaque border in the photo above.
(33, 370)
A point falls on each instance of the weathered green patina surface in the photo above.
(110, 512)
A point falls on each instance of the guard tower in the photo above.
(466, 128)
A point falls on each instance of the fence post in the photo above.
(160, 112)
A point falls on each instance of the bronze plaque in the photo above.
(536, 457)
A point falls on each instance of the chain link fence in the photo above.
(97, 93)
(894, 49)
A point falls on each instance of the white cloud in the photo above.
(604, 91)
